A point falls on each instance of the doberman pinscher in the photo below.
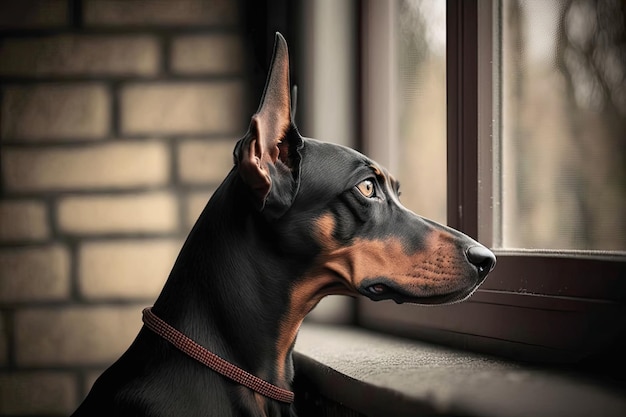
(295, 220)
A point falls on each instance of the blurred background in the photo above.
(563, 138)
(118, 119)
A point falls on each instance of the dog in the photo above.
(295, 220)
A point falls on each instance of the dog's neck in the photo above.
(228, 293)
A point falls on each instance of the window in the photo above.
(562, 150)
(535, 169)
(406, 82)
(420, 43)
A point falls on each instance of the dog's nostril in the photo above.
(482, 258)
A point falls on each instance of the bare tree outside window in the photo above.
(563, 138)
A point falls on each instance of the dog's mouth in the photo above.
(383, 289)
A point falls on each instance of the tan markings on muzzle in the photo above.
(439, 268)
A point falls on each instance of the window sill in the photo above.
(369, 374)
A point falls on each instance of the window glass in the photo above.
(563, 133)
(421, 105)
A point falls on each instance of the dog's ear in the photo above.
(268, 157)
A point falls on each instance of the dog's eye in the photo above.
(367, 188)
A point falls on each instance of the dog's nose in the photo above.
(482, 258)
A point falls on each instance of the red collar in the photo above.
(211, 360)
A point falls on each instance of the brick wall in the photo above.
(117, 119)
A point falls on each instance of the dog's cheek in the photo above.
(293, 239)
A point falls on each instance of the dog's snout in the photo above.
(482, 258)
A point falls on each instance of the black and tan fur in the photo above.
(295, 220)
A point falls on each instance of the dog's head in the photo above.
(343, 209)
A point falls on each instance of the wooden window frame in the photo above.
(536, 305)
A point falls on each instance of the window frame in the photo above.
(546, 308)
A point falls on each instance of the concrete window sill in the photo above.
(362, 373)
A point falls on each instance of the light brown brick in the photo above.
(37, 393)
(33, 14)
(55, 112)
(210, 54)
(34, 274)
(126, 268)
(74, 335)
(137, 213)
(112, 165)
(205, 161)
(160, 12)
(67, 55)
(196, 202)
(189, 108)
(23, 220)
